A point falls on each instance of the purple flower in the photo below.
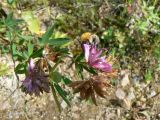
(35, 82)
(92, 56)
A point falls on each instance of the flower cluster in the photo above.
(94, 59)
(97, 84)
(35, 82)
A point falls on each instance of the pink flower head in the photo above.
(92, 56)
(35, 82)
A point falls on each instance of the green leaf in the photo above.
(62, 93)
(14, 49)
(59, 42)
(58, 34)
(79, 57)
(10, 1)
(47, 35)
(38, 53)
(20, 56)
(25, 55)
(66, 80)
(9, 19)
(16, 54)
(79, 70)
(89, 69)
(25, 37)
(11, 23)
(30, 49)
(33, 23)
(20, 68)
(56, 77)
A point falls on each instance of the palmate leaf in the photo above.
(37, 53)
(10, 22)
(47, 35)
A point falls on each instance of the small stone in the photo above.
(143, 99)
(75, 108)
(125, 79)
(120, 93)
(153, 93)
(75, 116)
(131, 96)
(64, 104)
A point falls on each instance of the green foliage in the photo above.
(56, 79)
(62, 93)
(59, 42)
(47, 35)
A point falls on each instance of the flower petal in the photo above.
(102, 65)
(94, 57)
(86, 51)
(31, 65)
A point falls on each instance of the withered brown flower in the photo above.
(49, 54)
(97, 84)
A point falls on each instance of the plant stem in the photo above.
(155, 2)
(14, 64)
(55, 98)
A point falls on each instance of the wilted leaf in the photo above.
(4, 69)
(33, 23)
(58, 34)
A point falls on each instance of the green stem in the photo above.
(155, 2)
(56, 98)
(14, 64)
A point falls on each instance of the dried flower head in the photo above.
(49, 55)
(36, 81)
(96, 85)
